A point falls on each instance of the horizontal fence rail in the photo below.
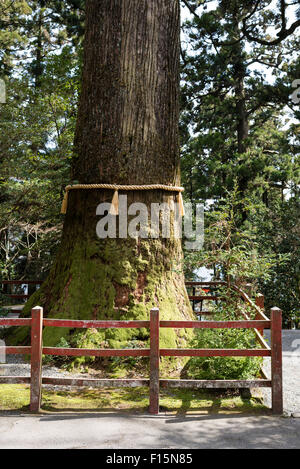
(7, 283)
(37, 322)
(208, 287)
(248, 324)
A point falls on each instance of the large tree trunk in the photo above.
(127, 133)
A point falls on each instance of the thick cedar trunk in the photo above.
(127, 128)
(127, 133)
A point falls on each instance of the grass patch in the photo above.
(178, 401)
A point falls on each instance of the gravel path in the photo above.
(291, 371)
(15, 366)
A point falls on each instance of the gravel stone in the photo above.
(290, 371)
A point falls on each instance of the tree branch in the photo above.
(191, 10)
(281, 35)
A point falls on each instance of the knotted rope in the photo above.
(114, 210)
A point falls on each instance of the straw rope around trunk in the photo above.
(114, 210)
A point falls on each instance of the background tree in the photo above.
(239, 123)
(37, 130)
(226, 100)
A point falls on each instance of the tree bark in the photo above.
(127, 133)
(241, 111)
(127, 127)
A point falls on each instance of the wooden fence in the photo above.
(31, 286)
(154, 353)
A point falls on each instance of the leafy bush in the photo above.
(57, 359)
(4, 299)
(224, 367)
(233, 250)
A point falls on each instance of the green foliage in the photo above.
(239, 137)
(52, 359)
(117, 364)
(41, 64)
(231, 250)
(224, 367)
(278, 227)
(37, 127)
(229, 84)
(12, 35)
(3, 301)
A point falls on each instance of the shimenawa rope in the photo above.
(114, 210)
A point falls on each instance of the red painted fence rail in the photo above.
(154, 353)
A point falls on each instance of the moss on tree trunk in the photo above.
(127, 133)
(112, 278)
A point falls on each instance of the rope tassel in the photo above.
(114, 208)
(180, 202)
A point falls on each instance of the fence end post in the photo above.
(154, 362)
(276, 360)
(36, 358)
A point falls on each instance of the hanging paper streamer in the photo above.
(64, 204)
(180, 202)
(114, 208)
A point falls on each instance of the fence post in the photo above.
(260, 302)
(194, 294)
(36, 358)
(276, 360)
(154, 361)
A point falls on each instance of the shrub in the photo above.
(224, 367)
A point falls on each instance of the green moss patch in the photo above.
(179, 401)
